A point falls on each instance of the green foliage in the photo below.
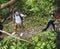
(3, 1)
(9, 27)
(45, 41)
(41, 7)
(39, 11)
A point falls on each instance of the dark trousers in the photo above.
(48, 25)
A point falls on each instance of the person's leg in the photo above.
(53, 26)
(22, 29)
(1, 37)
(15, 28)
(22, 24)
(1, 28)
(46, 27)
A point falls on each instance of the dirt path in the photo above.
(28, 33)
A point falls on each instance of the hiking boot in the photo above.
(21, 34)
(13, 33)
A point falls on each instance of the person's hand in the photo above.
(25, 15)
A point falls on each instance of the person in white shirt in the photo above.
(17, 19)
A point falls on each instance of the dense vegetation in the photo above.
(38, 12)
(45, 41)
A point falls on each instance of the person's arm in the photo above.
(22, 15)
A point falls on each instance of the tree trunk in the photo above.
(5, 5)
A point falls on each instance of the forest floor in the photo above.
(33, 26)
(29, 32)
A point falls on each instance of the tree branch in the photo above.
(7, 4)
(15, 37)
(9, 13)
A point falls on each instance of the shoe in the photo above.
(13, 33)
(21, 34)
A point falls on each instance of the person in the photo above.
(56, 13)
(18, 21)
(1, 27)
(50, 22)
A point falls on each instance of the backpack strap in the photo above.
(14, 17)
(21, 17)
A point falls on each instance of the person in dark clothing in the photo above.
(51, 22)
(1, 27)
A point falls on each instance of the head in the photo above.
(16, 13)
